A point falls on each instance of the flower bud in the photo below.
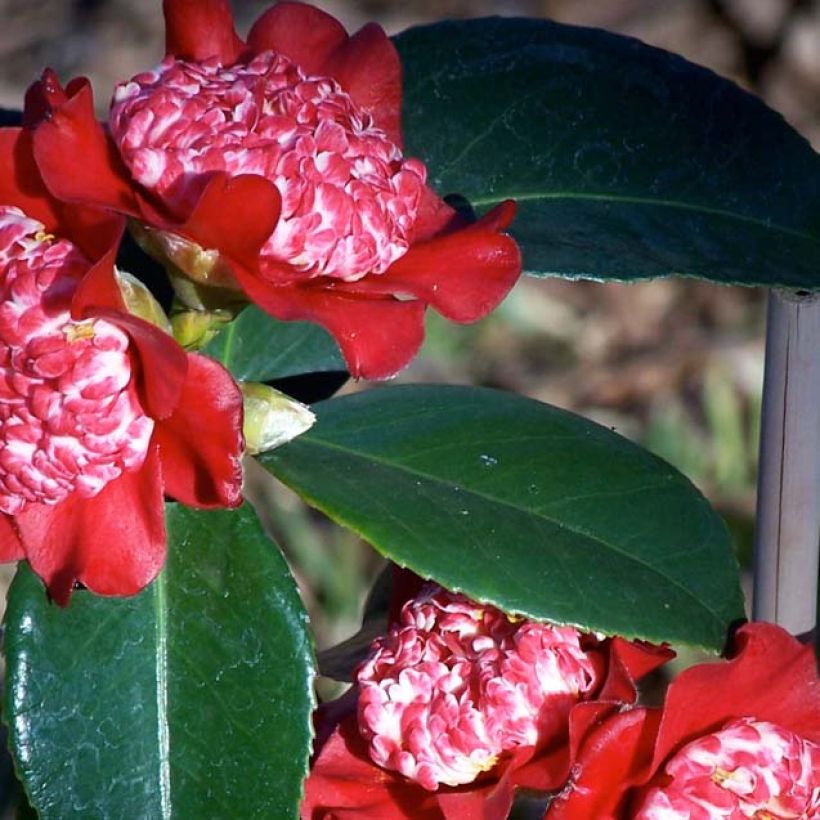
(271, 417)
(139, 301)
(193, 329)
(182, 256)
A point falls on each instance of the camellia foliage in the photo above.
(298, 188)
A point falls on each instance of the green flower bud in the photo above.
(193, 329)
(202, 265)
(271, 417)
(139, 301)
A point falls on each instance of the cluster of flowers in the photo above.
(267, 171)
(459, 705)
(271, 170)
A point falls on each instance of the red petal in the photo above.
(367, 66)
(377, 336)
(11, 547)
(546, 770)
(199, 29)
(345, 785)
(42, 97)
(628, 662)
(499, 218)
(77, 159)
(98, 288)
(614, 756)
(164, 364)
(301, 32)
(235, 215)
(20, 182)
(463, 275)
(435, 217)
(488, 801)
(113, 543)
(201, 442)
(773, 677)
(95, 232)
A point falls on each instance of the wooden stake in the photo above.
(787, 536)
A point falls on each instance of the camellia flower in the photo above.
(456, 684)
(275, 167)
(737, 739)
(457, 706)
(747, 768)
(101, 413)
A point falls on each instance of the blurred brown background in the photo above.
(674, 364)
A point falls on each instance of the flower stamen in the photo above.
(78, 331)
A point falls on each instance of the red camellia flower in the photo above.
(459, 705)
(735, 739)
(101, 413)
(275, 166)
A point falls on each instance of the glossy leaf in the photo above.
(257, 347)
(627, 162)
(531, 508)
(191, 699)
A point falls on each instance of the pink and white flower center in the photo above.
(349, 198)
(70, 421)
(749, 768)
(455, 684)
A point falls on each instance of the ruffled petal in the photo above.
(628, 662)
(345, 785)
(11, 547)
(463, 275)
(113, 543)
(377, 337)
(76, 158)
(489, 801)
(200, 29)
(303, 33)
(624, 662)
(614, 755)
(771, 677)
(98, 288)
(20, 182)
(95, 232)
(201, 442)
(235, 215)
(367, 66)
(163, 363)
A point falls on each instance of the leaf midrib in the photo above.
(314, 441)
(488, 201)
(161, 677)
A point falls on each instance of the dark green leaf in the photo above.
(256, 347)
(627, 162)
(339, 661)
(531, 508)
(189, 700)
